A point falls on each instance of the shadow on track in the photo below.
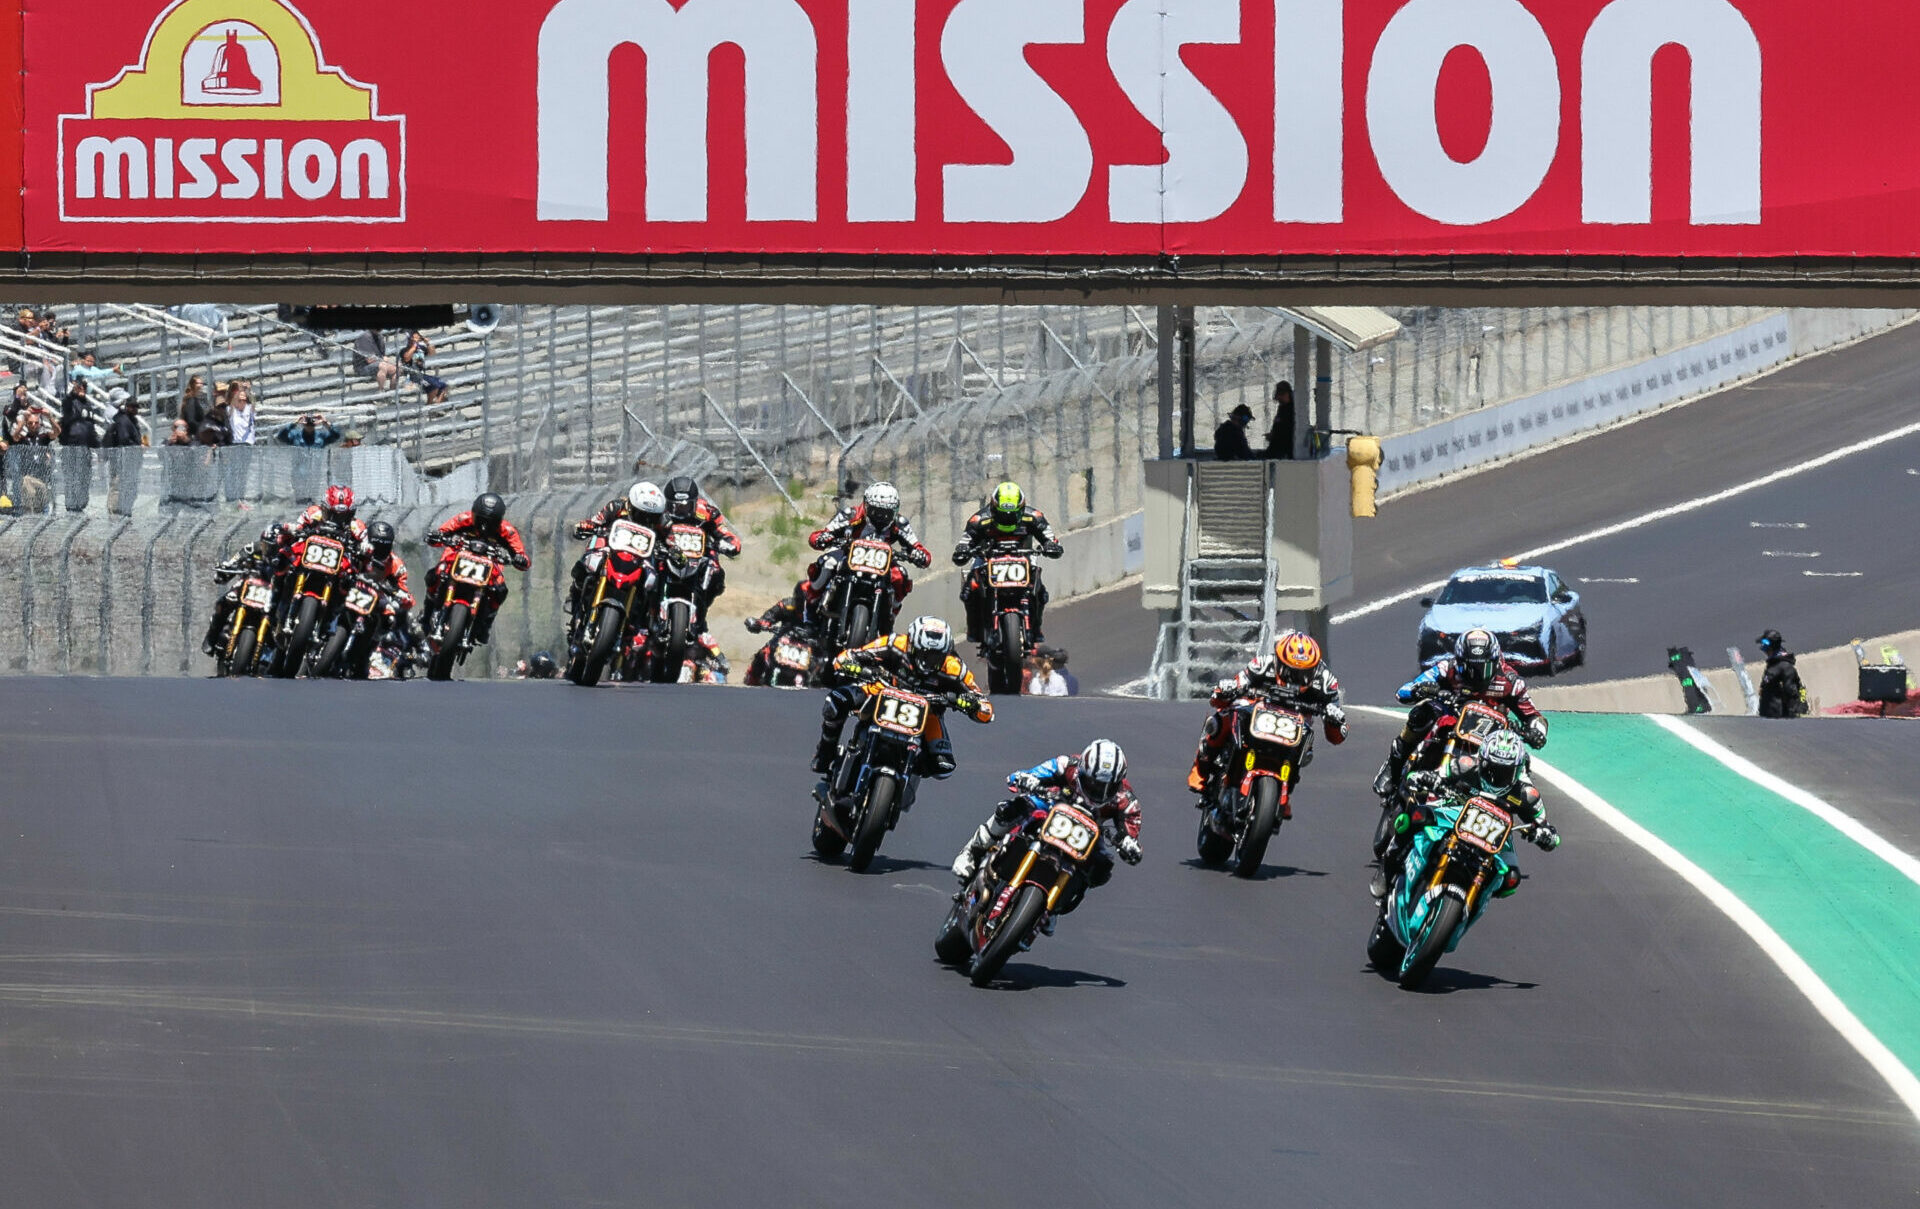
(1446, 980)
(1267, 873)
(1030, 977)
(882, 863)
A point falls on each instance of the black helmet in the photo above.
(1770, 641)
(1478, 654)
(380, 536)
(682, 494)
(543, 667)
(489, 510)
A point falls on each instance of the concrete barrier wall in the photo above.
(1831, 677)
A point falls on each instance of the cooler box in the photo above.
(1883, 682)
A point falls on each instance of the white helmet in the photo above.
(929, 639)
(883, 503)
(1103, 766)
(647, 498)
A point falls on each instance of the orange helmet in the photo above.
(1298, 657)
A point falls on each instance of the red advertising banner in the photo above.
(975, 127)
(13, 120)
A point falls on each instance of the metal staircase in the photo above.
(1227, 584)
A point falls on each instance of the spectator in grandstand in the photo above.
(127, 439)
(238, 401)
(88, 369)
(22, 399)
(30, 461)
(79, 437)
(414, 359)
(371, 346)
(1059, 658)
(1280, 436)
(180, 435)
(310, 431)
(216, 428)
(1046, 680)
(193, 406)
(1230, 439)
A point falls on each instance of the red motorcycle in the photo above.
(617, 604)
(470, 571)
(321, 562)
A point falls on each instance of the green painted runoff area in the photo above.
(1850, 915)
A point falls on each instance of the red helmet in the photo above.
(340, 503)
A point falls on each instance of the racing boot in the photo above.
(1202, 772)
(1036, 610)
(1390, 772)
(940, 758)
(829, 747)
(976, 617)
(1511, 883)
(968, 862)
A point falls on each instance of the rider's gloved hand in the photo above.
(1053, 549)
(436, 539)
(582, 531)
(756, 626)
(920, 556)
(1129, 849)
(521, 562)
(1545, 838)
(1536, 733)
(960, 555)
(730, 547)
(1024, 782)
(1336, 725)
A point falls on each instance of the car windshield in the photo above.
(1495, 590)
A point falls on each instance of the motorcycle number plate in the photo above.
(1009, 572)
(631, 540)
(689, 541)
(1478, 721)
(1070, 831)
(323, 555)
(1277, 726)
(1484, 825)
(472, 569)
(871, 558)
(256, 595)
(793, 655)
(901, 713)
(361, 601)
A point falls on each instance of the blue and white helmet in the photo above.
(929, 641)
(1103, 769)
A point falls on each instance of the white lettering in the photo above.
(1401, 119)
(1309, 111)
(1616, 110)
(246, 182)
(364, 158)
(881, 160)
(312, 169)
(984, 50)
(193, 157)
(1205, 169)
(777, 39)
(100, 166)
(163, 169)
(276, 165)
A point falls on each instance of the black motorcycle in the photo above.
(874, 778)
(1020, 883)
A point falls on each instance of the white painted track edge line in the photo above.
(1805, 980)
(1658, 514)
(1826, 812)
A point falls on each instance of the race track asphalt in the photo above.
(523, 945)
(1704, 578)
(1866, 769)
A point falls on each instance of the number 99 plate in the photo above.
(1070, 831)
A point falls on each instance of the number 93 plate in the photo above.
(1070, 831)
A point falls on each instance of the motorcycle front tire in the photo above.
(673, 652)
(1264, 822)
(859, 627)
(882, 791)
(246, 651)
(1441, 922)
(296, 652)
(1023, 915)
(1004, 672)
(329, 663)
(453, 631)
(606, 639)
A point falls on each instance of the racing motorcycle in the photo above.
(357, 628)
(321, 563)
(792, 661)
(683, 570)
(468, 569)
(247, 633)
(616, 604)
(873, 779)
(1008, 576)
(859, 599)
(1464, 725)
(1442, 887)
(1251, 796)
(1018, 885)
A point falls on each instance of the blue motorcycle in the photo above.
(1456, 862)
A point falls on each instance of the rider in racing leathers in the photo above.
(921, 659)
(1005, 518)
(1295, 676)
(1097, 778)
(390, 571)
(686, 506)
(876, 518)
(1474, 671)
(260, 559)
(487, 522)
(644, 504)
(1499, 774)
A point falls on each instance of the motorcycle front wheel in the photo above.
(1023, 915)
(1260, 827)
(859, 627)
(881, 792)
(246, 649)
(1004, 672)
(329, 663)
(296, 652)
(673, 651)
(453, 631)
(1441, 922)
(611, 623)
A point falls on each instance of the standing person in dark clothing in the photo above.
(193, 405)
(1280, 436)
(79, 437)
(127, 440)
(1781, 693)
(1230, 439)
